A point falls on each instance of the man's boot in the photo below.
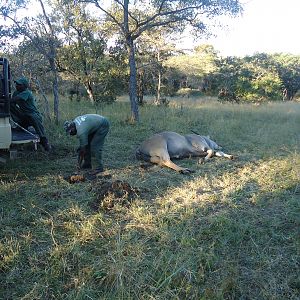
(44, 142)
(86, 165)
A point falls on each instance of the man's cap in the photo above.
(68, 126)
(23, 81)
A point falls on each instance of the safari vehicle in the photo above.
(11, 133)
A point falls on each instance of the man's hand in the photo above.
(81, 152)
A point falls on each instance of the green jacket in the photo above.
(25, 102)
(86, 125)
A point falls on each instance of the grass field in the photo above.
(230, 230)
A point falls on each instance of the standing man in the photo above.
(91, 130)
(24, 112)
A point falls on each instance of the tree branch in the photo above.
(105, 11)
(167, 13)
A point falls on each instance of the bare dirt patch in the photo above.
(109, 193)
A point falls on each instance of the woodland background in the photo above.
(230, 230)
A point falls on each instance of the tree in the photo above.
(132, 18)
(265, 83)
(252, 78)
(196, 67)
(288, 68)
(43, 34)
(153, 50)
(82, 55)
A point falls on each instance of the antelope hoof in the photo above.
(186, 171)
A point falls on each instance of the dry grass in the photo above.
(228, 231)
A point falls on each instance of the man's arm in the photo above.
(15, 99)
(83, 140)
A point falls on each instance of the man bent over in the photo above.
(91, 130)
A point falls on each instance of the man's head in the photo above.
(21, 84)
(70, 127)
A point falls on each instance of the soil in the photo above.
(109, 193)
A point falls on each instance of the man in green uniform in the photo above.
(91, 130)
(24, 112)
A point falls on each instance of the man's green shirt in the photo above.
(86, 125)
(25, 101)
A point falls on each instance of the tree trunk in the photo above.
(56, 99)
(132, 82)
(89, 90)
(51, 57)
(55, 91)
(157, 100)
(140, 88)
(132, 66)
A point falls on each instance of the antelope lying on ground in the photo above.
(162, 147)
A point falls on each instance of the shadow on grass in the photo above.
(214, 234)
(187, 237)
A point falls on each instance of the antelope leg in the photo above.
(222, 154)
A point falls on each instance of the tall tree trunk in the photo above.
(140, 87)
(89, 90)
(157, 100)
(55, 90)
(56, 98)
(132, 82)
(132, 67)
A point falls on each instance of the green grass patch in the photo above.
(230, 230)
